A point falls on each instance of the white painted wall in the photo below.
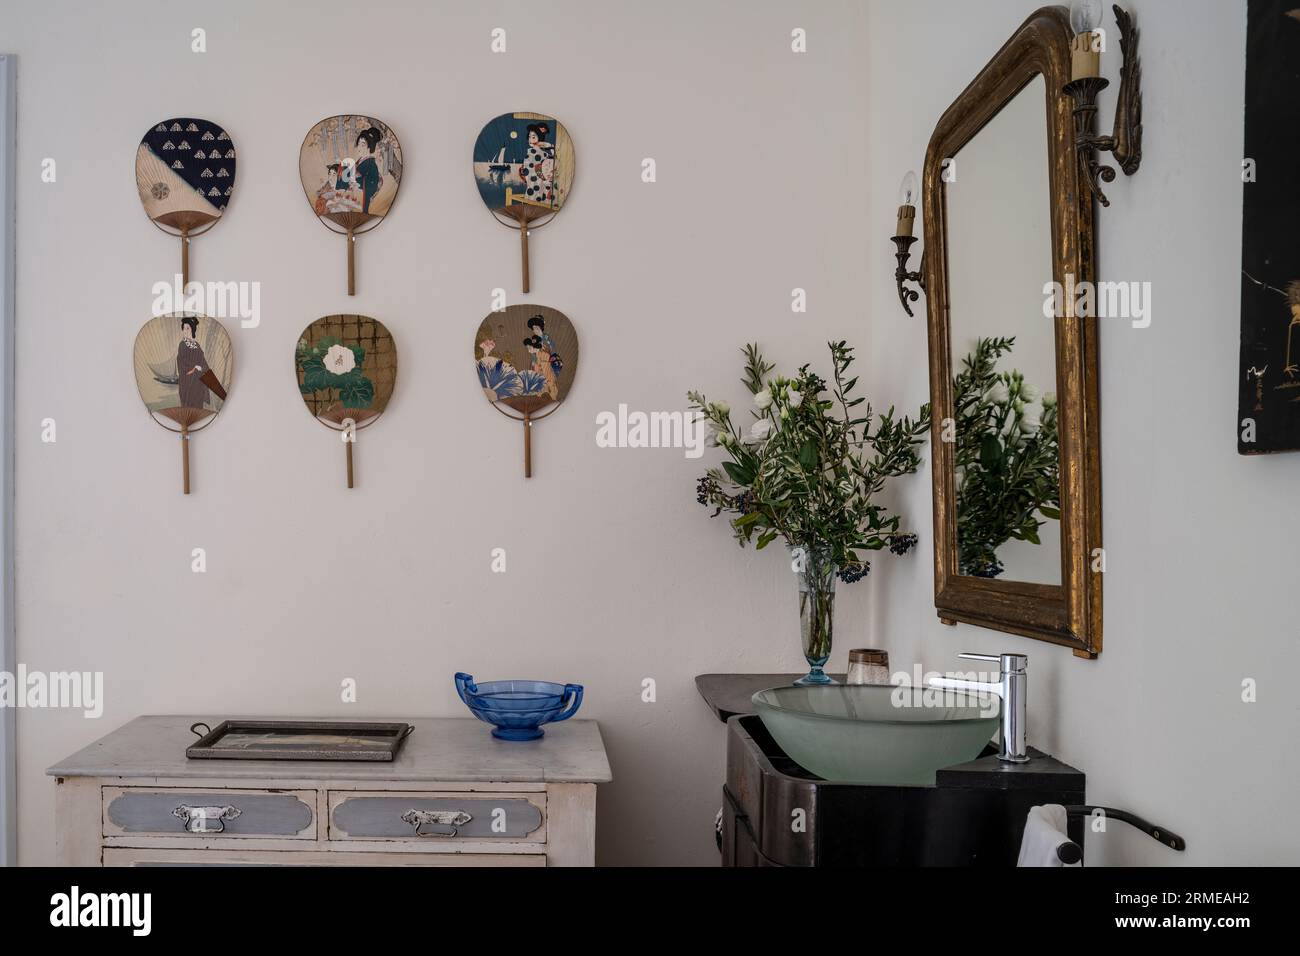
(615, 574)
(775, 171)
(1200, 579)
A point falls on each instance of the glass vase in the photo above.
(978, 560)
(815, 572)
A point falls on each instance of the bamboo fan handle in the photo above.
(185, 258)
(349, 439)
(523, 243)
(352, 287)
(528, 440)
(185, 458)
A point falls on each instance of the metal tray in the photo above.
(298, 740)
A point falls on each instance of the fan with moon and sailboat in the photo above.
(523, 166)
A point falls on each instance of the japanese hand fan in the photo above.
(350, 168)
(185, 172)
(183, 364)
(526, 356)
(346, 367)
(523, 164)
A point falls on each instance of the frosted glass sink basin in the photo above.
(874, 734)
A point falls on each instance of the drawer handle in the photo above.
(437, 818)
(198, 819)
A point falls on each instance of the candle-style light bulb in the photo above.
(907, 192)
(1085, 60)
(1085, 15)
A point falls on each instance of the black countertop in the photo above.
(729, 694)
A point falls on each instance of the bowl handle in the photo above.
(575, 692)
(463, 681)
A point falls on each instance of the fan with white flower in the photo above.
(346, 367)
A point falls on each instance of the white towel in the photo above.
(1045, 831)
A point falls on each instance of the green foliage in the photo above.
(1006, 458)
(352, 389)
(355, 390)
(314, 376)
(810, 466)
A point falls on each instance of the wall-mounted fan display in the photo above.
(183, 365)
(526, 357)
(523, 165)
(346, 366)
(185, 172)
(351, 167)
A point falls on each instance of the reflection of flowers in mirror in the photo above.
(1005, 461)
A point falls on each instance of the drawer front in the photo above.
(133, 857)
(207, 814)
(417, 816)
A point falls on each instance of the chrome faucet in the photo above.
(1012, 687)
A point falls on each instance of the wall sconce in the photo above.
(1086, 81)
(903, 239)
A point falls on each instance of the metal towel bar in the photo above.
(1070, 852)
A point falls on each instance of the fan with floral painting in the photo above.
(346, 366)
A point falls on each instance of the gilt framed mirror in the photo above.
(1013, 367)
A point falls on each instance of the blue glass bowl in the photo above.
(517, 708)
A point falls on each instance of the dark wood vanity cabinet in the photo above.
(775, 813)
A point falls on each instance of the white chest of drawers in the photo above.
(455, 796)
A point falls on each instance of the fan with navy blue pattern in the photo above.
(185, 172)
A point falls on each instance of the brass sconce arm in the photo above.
(902, 276)
(1125, 140)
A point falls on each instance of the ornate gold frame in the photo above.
(1070, 613)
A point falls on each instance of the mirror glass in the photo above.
(999, 239)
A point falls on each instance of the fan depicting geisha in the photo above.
(526, 357)
(182, 365)
(538, 167)
(352, 165)
(500, 378)
(524, 159)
